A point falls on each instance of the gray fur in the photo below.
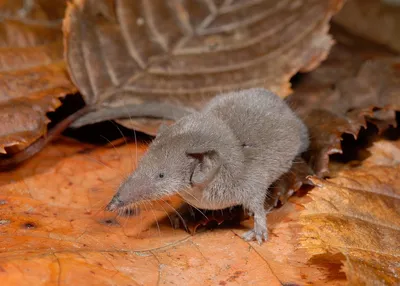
(228, 154)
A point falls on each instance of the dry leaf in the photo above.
(376, 20)
(358, 83)
(357, 216)
(133, 54)
(290, 182)
(351, 220)
(286, 258)
(53, 229)
(33, 75)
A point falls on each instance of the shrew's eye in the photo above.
(161, 175)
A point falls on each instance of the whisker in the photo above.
(101, 163)
(134, 134)
(100, 209)
(144, 204)
(155, 217)
(183, 221)
(141, 223)
(166, 214)
(126, 218)
(193, 205)
(126, 142)
(136, 148)
(115, 148)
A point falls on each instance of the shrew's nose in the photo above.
(115, 203)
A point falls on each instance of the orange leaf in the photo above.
(53, 229)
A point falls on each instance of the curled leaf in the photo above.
(182, 53)
(345, 94)
(33, 75)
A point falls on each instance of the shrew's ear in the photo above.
(207, 166)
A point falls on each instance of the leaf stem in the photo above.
(16, 159)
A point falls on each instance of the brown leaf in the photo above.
(358, 83)
(33, 75)
(357, 215)
(289, 183)
(376, 20)
(147, 125)
(181, 53)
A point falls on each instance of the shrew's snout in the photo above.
(115, 203)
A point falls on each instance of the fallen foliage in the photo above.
(162, 59)
(54, 230)
(376, 20)
(357, 215)
(33, 74)
(53, 226)
(358, 84)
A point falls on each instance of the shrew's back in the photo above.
(259, 118)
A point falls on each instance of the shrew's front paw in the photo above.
(258, 234)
